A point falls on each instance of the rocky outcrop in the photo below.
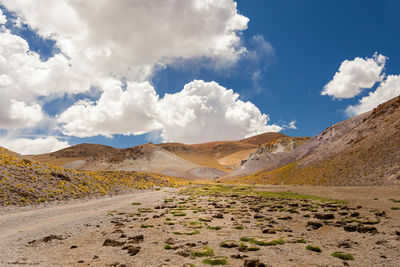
(276, 148)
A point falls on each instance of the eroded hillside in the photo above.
(364, 150)
(23, 181)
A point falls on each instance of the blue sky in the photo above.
(297, 47)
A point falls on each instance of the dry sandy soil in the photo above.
(274, 228)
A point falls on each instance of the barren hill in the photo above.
(222, 155)
(363, 150)
(207, 160)
(73, 153)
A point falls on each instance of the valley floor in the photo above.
(271, 224)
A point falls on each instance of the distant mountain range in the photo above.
(197, 161)
(363, 150)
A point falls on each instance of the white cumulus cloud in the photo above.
(101, 40)
(26, 146)
(24, 77)
(201, 112)
(3, 18)
(354, 76)
(128, 38)
(105, 42)
(118, 111)
(387, 90)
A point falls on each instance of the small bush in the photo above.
(203, 252)
(313, 248)
(215, 261)
(343, 256)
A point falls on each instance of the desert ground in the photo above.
(211, 224)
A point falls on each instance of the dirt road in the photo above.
(22, 226)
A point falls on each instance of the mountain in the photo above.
(268, 153)
(207, 160)
(222, 155)
(363, 150)
(24, 181)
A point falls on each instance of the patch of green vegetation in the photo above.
(229, 244)
(313, 248)
(194, 225)
(261, 241)
(248, 190)
(136, 203)
(246, 238)
(395, 208)
(167, 247)
(214, 227)
(394, 200)
(145, 210)
(178, 213)
(343, 256)
(203, 252)
(301, 240)
(195, 232)
(292, 195)
(188, 265)
(146, 226)
(253, 248)
(239, 227)
(215, 261)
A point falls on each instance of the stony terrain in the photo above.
(234, 226)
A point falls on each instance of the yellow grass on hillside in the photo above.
(23, 181)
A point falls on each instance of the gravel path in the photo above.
(19, 227)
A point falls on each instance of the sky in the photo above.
(124, 73)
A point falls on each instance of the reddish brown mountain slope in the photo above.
(207, 160)
(364, 150)
(222, 155)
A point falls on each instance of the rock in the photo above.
(51, 237)
(132, 250)
(112, 243)
(355, 214)
(324, 216)
(253, 263)
(136, 239)
(183, 253)
(314, 224)
(269, 231)
(238, 256)
(170, 241)
(397, 233)
(218, 216)
(72, 247)
(350, 227)
(366, 229)
(344, 244)
(284, 218)
(81, 261)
